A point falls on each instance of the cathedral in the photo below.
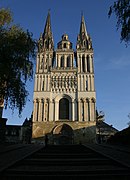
(64, 92)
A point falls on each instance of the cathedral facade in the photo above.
(64, 92)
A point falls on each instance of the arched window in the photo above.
(83, 64)
(88, 64)
(68, 61)
(65, 46)
(62, 62)
(64, 108)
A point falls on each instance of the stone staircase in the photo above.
(68, 161)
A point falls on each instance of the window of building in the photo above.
(68, 61)
(83, 64)
(86, 85)
(62, 61)
(64, 108)
(65, 45)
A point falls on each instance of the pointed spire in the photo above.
(83, 26)
(47, 29)
(47, 35)
(83, 39)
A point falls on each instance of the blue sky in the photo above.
(111, 58)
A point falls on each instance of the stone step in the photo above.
(66, 162)
(71, 162)
(64, 155)
(72, 172)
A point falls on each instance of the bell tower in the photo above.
(45, 48)
(86, 89)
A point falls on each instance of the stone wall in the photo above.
(82, 132)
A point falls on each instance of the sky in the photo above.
(111, 58)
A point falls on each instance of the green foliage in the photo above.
(121, 8)
(5, 16)
(17, 49)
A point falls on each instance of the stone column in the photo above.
(56, 60)
(85, 113)
(88, 83)
(86, 69)
(37, 65)
(87, 110)
(78, 62)
(40, 111)
(81, 61)
(81, 82)
(48, 83)
(90, 110)
(93, 118)
(35, 84)
(34, 111)
(79, 110)
(56, 111)
(85, 82)
(73, 110)
(50, 110)
(45, 84)
(90, 62)
(93, 88)
(44, 109)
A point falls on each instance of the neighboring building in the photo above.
(13, 134)
(19, 133)
(104, 131)
(64, 92)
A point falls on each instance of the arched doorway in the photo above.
(63, 134)
(64, 108)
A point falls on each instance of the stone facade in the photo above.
(64, 92)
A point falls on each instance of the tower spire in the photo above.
(83, 39)
(47, 29)
(47, 36)
(83, 26)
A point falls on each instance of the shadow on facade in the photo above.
(65, 135)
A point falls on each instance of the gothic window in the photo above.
(86, 85)
(83, 64)
(68, 61)
(65, 45)
(88, 64)
(62, 61)
(64, 108)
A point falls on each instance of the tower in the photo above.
(64, 92)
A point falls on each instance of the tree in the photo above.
(121, 8)
(129, 121)
(17, 51)
(99, 119)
